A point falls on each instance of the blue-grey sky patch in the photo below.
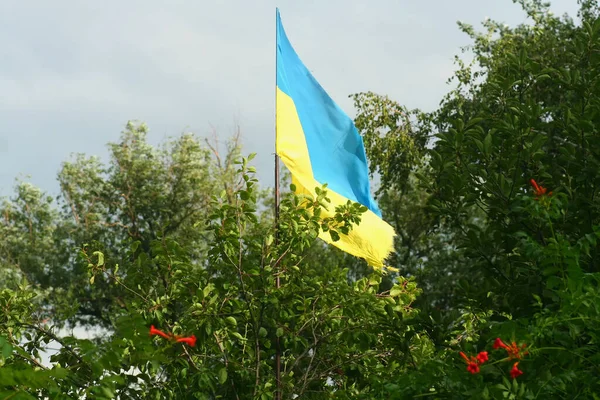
(73, 73)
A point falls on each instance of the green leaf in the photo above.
(209, 288)
(6, 348)
(334, 235)
(374, 280)
(134, 246)
(479, 145)
(108, 392)
(279, 332)
(222, 375)
(487, 143)
(269, 240)
(100, 258)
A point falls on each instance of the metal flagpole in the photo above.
(277, 281)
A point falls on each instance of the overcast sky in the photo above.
(72, 73)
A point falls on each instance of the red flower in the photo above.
(473, 368)
(191, 341)
(514, 351)
(482, 357)
(539, 190)
(154, 331)
(515, 371)
(499, 343)
(473, 362)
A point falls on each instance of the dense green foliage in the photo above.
(182, 238)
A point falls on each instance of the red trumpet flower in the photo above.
(474, 362)
(515, 371)
(482, 357)
(190, 340)
(514, 351)
(539, 190)
(154, 331)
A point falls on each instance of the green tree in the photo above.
(142, 194)
(334, 335)
(521, 265)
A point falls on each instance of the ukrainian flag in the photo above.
(319, 144)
